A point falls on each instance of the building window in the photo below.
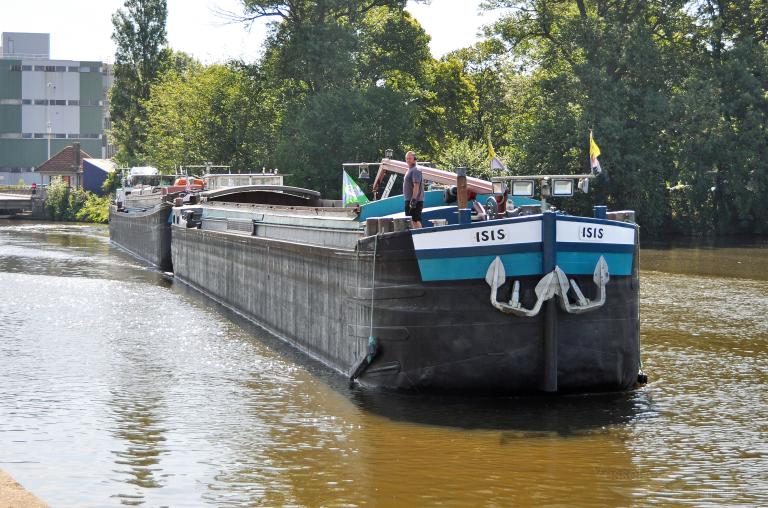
(74, 102)
(61, 68)
(60, 136)
(26, 67)
(41, 102)
(39, 67)
(39, 135)
(50, 68)
(26, 135)
(59, 102)
(73, 69)
(16, 68)
(26, 101)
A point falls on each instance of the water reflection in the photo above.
(138, 413)
(66, 250)
(517, 416)
(705, 338)
(139, 425)
(726, 257)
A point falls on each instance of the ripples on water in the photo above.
(120, 387)
(705, 340)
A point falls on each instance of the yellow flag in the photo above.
(594, 150)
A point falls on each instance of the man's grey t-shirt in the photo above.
(413, 176)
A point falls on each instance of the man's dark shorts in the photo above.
(415, 212)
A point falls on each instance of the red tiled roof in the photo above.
(64, 162)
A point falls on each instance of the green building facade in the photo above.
(47, 105)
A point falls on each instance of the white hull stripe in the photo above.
(500, 234)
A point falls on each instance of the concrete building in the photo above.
(47, 105)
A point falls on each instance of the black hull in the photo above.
(146, 235)
(434, 336)
(440, 336)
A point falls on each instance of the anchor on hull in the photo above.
(554, 283)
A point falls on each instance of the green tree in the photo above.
(721, 111)
(314, 41)
(140, 57)
(466, 153)
(392, 50)
(489, 67)
(111, 183)
(342, 125)
(94, 209)
(345, 77)
(65, 203)
(449, 106)
(607, 66)
(676, 93)
(218, 113)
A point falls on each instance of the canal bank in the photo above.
(13, 495)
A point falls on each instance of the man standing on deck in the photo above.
(413, 190)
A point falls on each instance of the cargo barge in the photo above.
(512, 301)
(139, 218)
(144, 233)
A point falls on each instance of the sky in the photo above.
(82, 29)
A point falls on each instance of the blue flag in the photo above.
(352, 193)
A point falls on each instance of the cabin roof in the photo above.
(286, 189)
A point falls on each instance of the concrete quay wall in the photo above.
(304, 294)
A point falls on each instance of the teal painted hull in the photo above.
(464, 252)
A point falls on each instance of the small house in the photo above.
(67, 164)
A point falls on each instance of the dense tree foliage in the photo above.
(346, 74)
(140, 57)
(676, 93)
(70, 204)
(215, 113)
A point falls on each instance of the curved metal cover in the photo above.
(286, 189)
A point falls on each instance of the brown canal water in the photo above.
(118, 386)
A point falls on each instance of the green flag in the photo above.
(352, 194)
